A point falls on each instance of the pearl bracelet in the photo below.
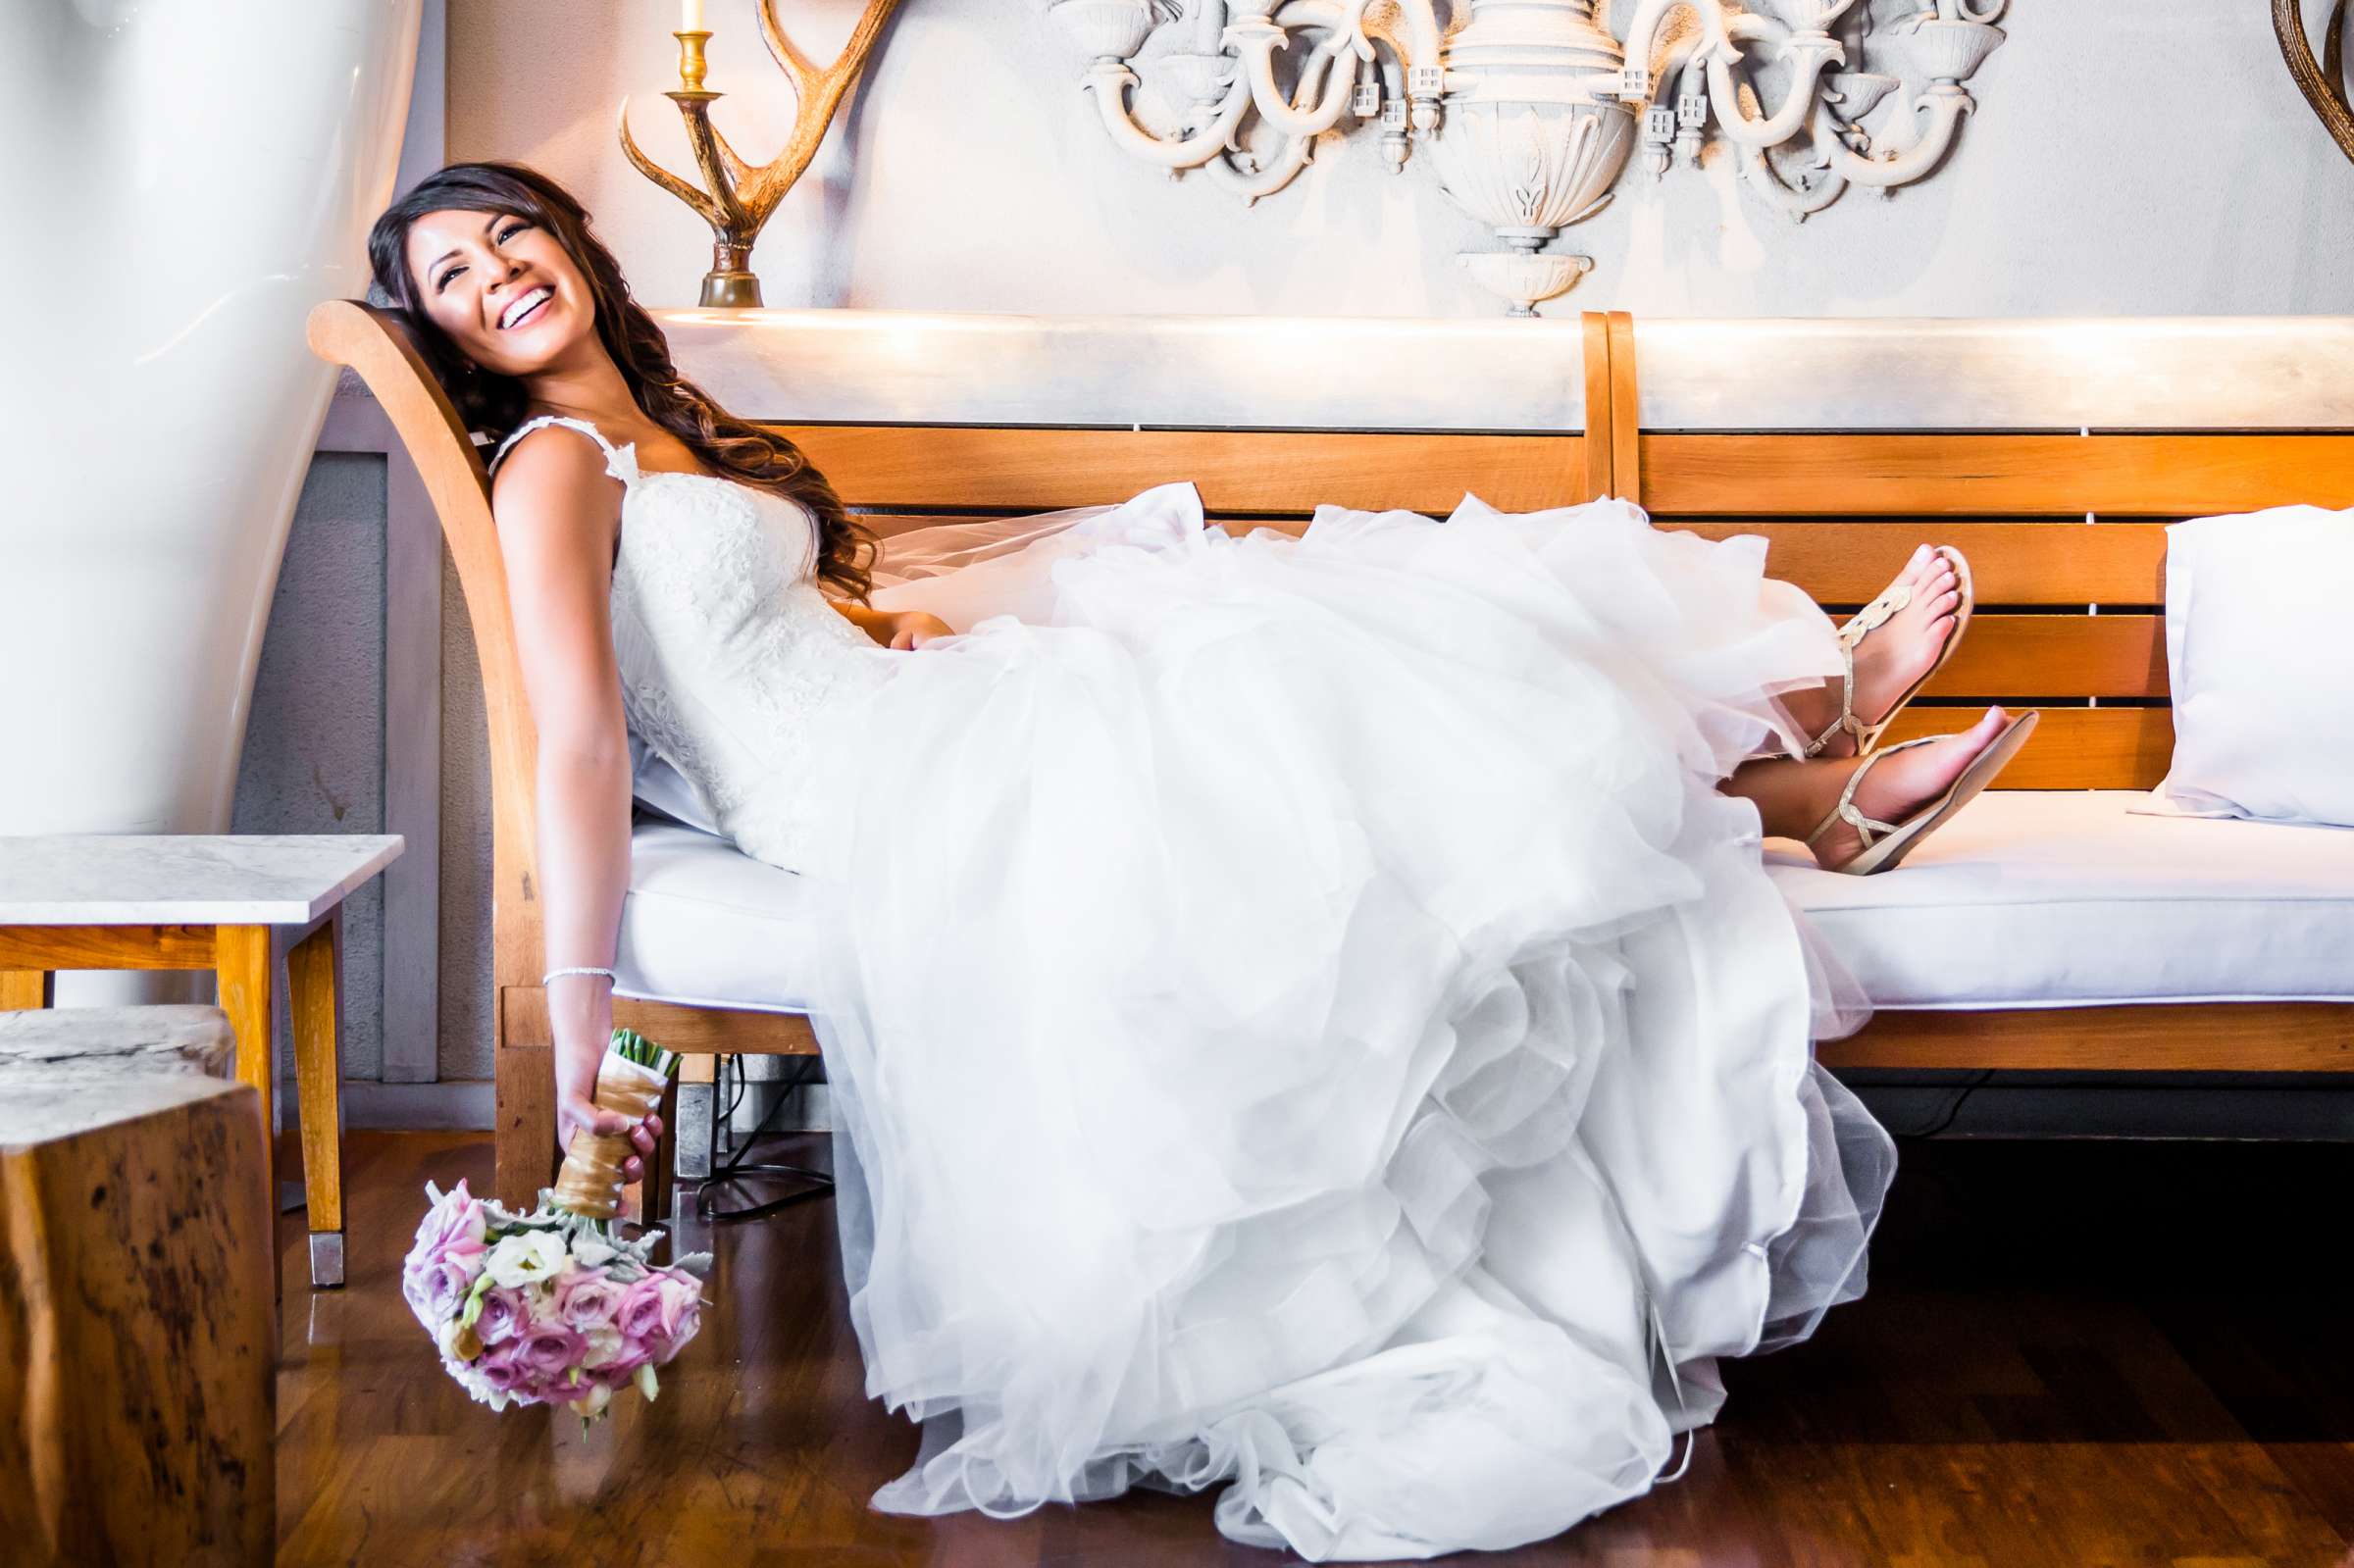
(557, 974)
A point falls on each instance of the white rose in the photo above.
(604, 1345)
(525, 1258)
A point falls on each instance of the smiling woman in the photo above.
(464, 252)
(523, 315)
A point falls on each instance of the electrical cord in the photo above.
(739, 1166)
(1953, 1107)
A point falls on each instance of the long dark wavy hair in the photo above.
(495, 404)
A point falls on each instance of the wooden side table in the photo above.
(190, 901)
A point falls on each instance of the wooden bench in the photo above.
(2065, 531)
(1842, 507)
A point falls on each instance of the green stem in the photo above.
(633, 1046)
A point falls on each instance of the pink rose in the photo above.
(435, 1291)
(616, 1374)
(497, 1368)
(549, 1350)
(587, 1300)
(682, 1311)
(502, 1317)
(453, 1229)
(642, 1311)
(634, 1353)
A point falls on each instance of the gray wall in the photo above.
(2130, 157)
(314, 759)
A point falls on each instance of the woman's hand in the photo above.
(576, 1111)
(912, 628)
(894, 629)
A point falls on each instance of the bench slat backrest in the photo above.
(940, 470)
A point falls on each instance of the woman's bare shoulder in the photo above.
(553, 474)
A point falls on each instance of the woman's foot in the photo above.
(1899, 784)
(1892, 656)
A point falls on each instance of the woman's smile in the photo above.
(527, 307)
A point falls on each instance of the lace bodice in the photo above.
(728, 651)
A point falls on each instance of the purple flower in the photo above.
(682, 1311)
(497, 1368)
(642, 1311)
(453, 1229)
(616, 1374)
(436, 1291)
(588, 1300)
(548, 1351)
(502, 1317)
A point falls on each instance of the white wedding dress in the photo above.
(1300, 1017)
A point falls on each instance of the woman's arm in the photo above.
(557, 515)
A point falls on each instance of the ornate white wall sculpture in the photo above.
(1531, 109)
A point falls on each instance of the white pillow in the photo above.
(2263, 665)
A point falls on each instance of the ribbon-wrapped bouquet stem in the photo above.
(554, 1306)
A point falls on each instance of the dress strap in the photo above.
(620, 461)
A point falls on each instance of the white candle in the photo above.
(691, 15)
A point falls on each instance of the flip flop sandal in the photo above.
(1861, 624)
(1888, 842)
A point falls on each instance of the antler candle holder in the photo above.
(737, 197)
(2324, 82)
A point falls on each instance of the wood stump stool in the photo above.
(137, 1344)
(84, 1043)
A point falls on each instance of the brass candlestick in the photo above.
(736, 198)
(692, 65)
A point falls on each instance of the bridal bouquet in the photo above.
(554, 1307)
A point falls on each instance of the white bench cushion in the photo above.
(2025, 899)
(705, 923)
(2035, 899)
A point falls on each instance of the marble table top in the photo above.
(48, 1112)
(185, 879)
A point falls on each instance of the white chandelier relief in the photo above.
(1530, 110)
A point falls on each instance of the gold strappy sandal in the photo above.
(1888, 842)
(1873, 615)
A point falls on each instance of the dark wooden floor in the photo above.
(2073, 1354)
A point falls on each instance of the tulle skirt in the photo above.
(1302, 1022)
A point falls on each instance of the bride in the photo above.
(1306, 1016)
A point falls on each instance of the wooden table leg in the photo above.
(241, 963)
(314, 991)
(22, 989)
